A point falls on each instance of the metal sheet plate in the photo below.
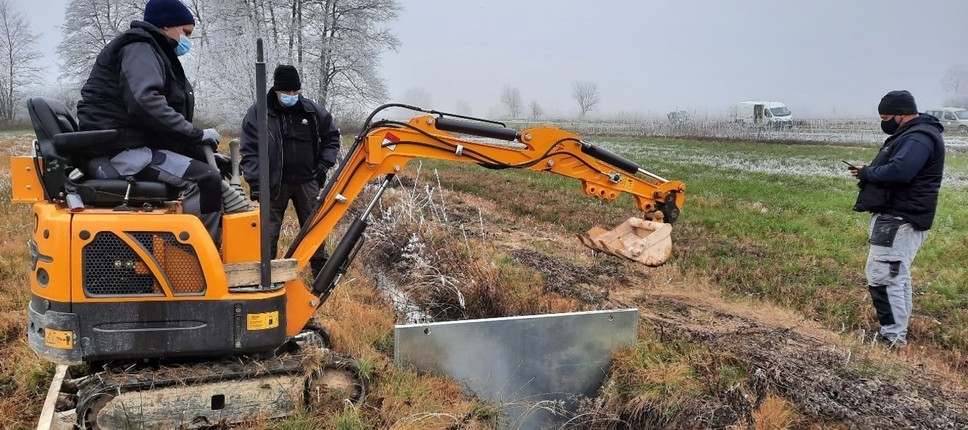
(526, 365)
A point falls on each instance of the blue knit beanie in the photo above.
(167, 13)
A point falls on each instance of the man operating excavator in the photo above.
(138, 87)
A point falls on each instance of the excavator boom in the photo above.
(163, 317)
(385, 147)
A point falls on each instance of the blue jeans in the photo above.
(894, 244)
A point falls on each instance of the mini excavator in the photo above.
(162, 329)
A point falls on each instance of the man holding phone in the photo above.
(900, 189)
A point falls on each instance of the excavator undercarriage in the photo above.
(243, 390)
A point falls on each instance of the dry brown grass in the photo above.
(775, 413)
(360, 321)
(23, 377)
(444, 265)
(667, 381)
(23, 384)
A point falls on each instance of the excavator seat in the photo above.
(62, 148)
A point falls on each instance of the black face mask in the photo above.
(889, 126)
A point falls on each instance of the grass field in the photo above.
(762, 223)
(775, 221)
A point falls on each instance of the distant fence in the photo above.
(818, 131)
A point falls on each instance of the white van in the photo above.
(953, 118)
(774, 114)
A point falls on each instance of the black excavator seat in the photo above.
(63, 150)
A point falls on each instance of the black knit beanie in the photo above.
(897, 102)
(286, 78)
(167, 13)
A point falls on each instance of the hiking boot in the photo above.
(895, 343)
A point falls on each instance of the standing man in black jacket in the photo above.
(303, 144)
(900, 188)
(138, 87)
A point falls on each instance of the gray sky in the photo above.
(820, 57)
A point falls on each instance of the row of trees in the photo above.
(335, 44)
(584, 92)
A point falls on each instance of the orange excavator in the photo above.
(172, 332)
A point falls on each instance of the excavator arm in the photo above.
(385, 147)
(176, 331)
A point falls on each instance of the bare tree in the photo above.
(335, 45)
(419, 97)
(511, 99)
(586, 94)
(88, 26)
(955, 85)
(18, 56)
(464, 108)
(536, 110)
(344, 40)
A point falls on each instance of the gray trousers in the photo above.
(894, 244)
(303, 197)
(199, 182)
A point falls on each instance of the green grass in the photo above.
(770, 221)
(19, 131)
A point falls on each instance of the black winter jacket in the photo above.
(138, 87)
(905, 177)
(325, 140)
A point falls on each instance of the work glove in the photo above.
(210, 137)
(254, 190)
(320, 176)
(224, 164)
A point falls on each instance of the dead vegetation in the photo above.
(700, 361)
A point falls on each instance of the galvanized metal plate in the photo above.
(528, 365)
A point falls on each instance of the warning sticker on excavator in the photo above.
(60, 339)
(263, 321)
(390, 141)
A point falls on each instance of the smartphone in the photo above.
(851, 166)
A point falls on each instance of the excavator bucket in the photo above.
(636, 239)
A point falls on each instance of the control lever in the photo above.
(123, 207)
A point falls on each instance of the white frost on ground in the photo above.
(794, 165)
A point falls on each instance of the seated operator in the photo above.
(138, 87)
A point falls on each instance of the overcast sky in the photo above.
(820, 57)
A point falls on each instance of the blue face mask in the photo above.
(184, 45)
(288, 100)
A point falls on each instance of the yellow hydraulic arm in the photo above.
(385, 147)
